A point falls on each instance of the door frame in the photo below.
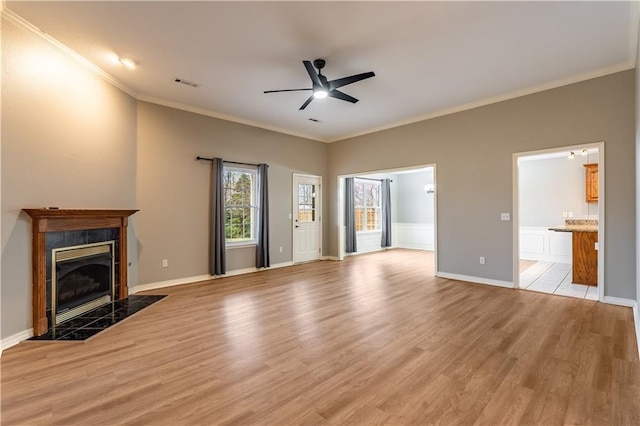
(601, 209)
(294, 197)
(340, 204)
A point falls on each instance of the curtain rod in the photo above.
(380, 180)
(225, 161)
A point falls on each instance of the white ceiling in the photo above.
(430, 58)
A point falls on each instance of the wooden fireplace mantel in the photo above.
(53, 220)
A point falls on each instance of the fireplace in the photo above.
(82, 278)
(53, 228)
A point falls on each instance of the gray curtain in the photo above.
(262, 249)
(218, 255)
(385, 199)
(349, 216)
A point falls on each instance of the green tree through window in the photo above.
(239, 204)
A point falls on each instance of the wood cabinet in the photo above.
(591, 182)
(585, 258)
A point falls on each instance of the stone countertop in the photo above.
(577, 225)
(575, 228)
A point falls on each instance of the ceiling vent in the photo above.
(186, 82)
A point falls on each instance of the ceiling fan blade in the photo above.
(312, 73)
(307, 102)
(334, 84)
(284, 90)
(340, 95)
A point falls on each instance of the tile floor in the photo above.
(555, 278)
(99, 319)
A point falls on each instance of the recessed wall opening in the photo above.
(559, 221)
(399, 202)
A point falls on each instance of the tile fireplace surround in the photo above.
(49, 221)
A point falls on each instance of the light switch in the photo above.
(505, 216)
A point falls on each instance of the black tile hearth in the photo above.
(93, 322)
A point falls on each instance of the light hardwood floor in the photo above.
(374, 339)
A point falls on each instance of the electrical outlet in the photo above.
(165, 263)
(482, 260)
(505, 216)
(565, 214)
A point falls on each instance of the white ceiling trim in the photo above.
(209, 113)
(72, 54)
(495, 99)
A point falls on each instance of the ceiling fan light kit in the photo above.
(322, 88)
(320, 94)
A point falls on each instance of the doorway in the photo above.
(413, 210)
(307, 220)
(558, 226)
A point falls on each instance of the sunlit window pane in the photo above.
(240, 208)
(367, 205)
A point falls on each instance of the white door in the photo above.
(307, 208)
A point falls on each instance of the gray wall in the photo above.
(174, 188)
(551, 186)
(63, 127)
(414, 205)
(68, 140)
(473, 152)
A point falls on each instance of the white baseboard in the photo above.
(330, 258)
(168, 283)
(252, 270)
(629, 303)
(636, 321)
(424, 247)
(13, 340)
(477, 280)
(198, 278)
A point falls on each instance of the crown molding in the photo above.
(210, 113)
(495, 99)
(25, 25)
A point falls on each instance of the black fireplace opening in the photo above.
(83, 279)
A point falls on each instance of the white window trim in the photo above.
(254, 208)
(370, 183)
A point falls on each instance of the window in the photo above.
(240, 205)
(306, 202)
(367, 205)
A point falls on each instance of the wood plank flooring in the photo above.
(375, 339)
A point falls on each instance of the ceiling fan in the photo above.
(322, 88)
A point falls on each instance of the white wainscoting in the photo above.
(368, 241)
(418, 236)
(538, 243)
